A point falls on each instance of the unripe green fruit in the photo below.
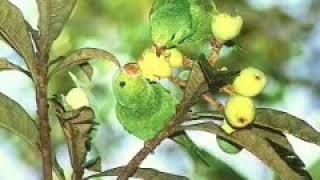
(240, 111)
(250, 82)
(226, 27)
(77, 98)
(228, 147)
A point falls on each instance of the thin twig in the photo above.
(212, 101)
(228, 90)
(216, 47)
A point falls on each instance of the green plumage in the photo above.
(145, 110)
(185, 24)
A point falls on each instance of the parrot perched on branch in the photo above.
(185, 24)
(144, 108)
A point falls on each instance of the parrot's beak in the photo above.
(131, 69)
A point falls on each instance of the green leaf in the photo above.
(87, 69)
(257, 145)
(282, 146)
(6, 65)
(184, 141)
(284, 122)
(196, 85)
(15, 119)
(216, 79)
(53, 16)
(77, 126)
(94, 164)
(14, 31)
(142, 173)
(81, 56)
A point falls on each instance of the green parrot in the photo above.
(185, 24)
(144, 108)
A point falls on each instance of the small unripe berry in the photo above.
(226, 27)
(154, 67)
(228, 147)
(250, 82)
(77, 98)
(175, 57)
(240, 111)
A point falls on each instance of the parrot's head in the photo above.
(129, 86)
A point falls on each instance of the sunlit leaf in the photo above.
(82, 56)
(257, 145)
(14, 31)
(142, 173)
(53, 16)
(284, 122)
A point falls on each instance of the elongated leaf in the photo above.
(87, 69)
(6, 65)
(216, 79)
(77, 126)
(15, 119)
(143, 173)
(82, 56)
(284, 122)
(184, 141)
(257, 145)
(282, 146)
(196, 85)
(14, 31)
(53, 16)
(94, 164)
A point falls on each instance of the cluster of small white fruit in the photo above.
(240, 109)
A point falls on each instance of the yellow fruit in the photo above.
(250, 82)
(226, 27)
(240, 111)
(175, 58)
(154, 67)
(77, 98)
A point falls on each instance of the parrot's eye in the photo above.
(122, 84)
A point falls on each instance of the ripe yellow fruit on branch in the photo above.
(154, 67)
(226, 27)
(250, 82)
(77, 98)
(174, 57)
(240, 111)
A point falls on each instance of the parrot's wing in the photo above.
(171, 22)
(183, 140)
